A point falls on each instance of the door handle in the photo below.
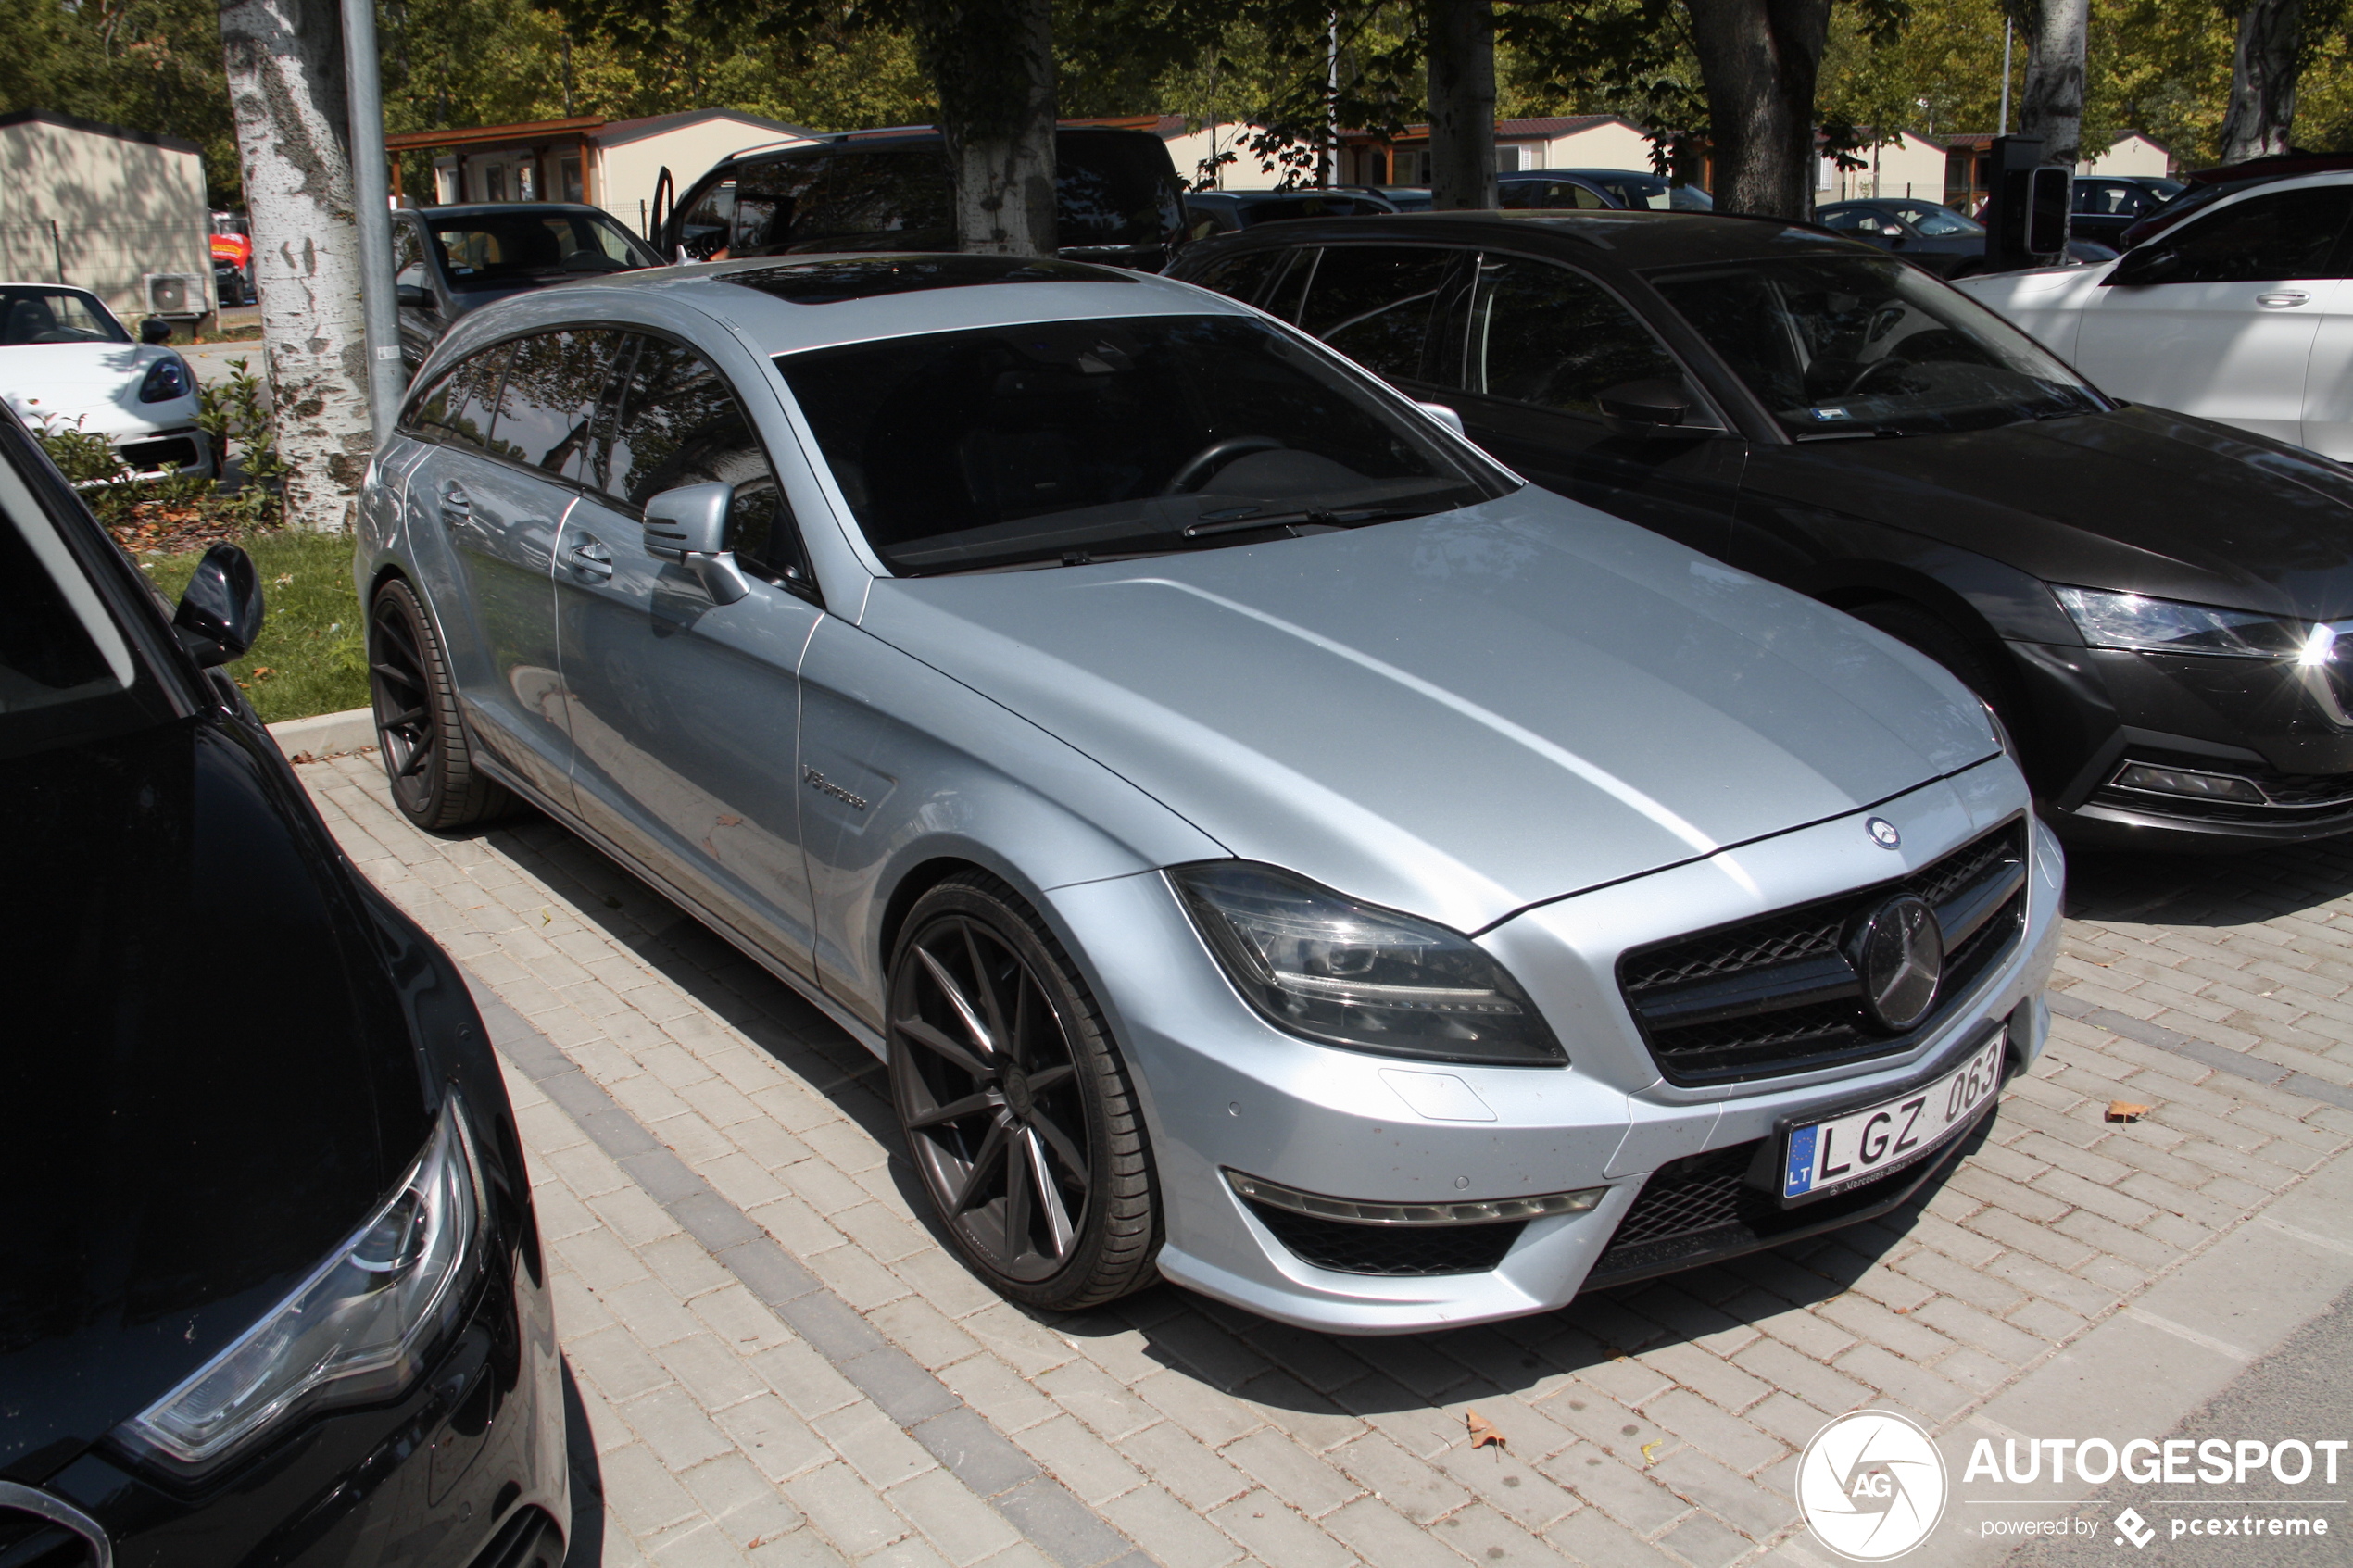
(2281, 299)
(456, 507)
(590, 559)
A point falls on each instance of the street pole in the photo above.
(371, 193)
(2006, 76)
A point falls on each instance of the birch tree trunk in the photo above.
(2052, 105)
(992, 62)
(1759, 60)
(284, 61)
(1462, 105)
(2263, 72)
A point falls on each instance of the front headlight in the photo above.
(2129, 620)
(1330, 969)
(168, 378)
(357, 1330)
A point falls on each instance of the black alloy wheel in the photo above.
(1016, 1106)
(419, 734)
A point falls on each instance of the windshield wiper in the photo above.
(1348, 517)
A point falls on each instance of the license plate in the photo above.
(1830, 1155)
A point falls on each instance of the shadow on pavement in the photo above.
(2208, 890)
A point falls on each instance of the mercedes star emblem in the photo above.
(1900, 954)
(1882, 833)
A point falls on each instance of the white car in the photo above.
(67, 363)
(2241, 314)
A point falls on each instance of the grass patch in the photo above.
(312, 655)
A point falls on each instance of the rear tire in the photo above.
(419, 731)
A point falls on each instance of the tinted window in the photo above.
(1113, 187)
(407, 254)
(2286, 234)
(1373, 303)
(1543, 334)
(57, 645)
(1239, 276)
(703, 229)
(2107, 199)
(679, 422)
(456, 409)
(519, 249)
(798, 203)
(548, 402)
(1850, 220)
(38, 315)
(1938, 223)
(1284, 298)
(1008, 446)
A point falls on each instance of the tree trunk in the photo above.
(2263, 73)
(2052, 105)
(992, 62)
(1758, 60)
(285, 63)
(1462, 105)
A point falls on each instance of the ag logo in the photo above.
(1872, 1485)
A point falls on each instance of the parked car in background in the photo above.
(1405, 198)
(231, 245)
(2150, 601)
(1588, 189)
(1117, 199)
(66, 364)
(449, 260)
(2107, 204)
(2240, 313)
(1117, 710)
(2207, 186)
(1208, 213)
(1928, 233)
(271, 1281)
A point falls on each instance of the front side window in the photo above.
(457, 408)
(523, 249)
(2285, 235)
(547, 403)
(58, 646)
(1373, 303)
(30, 315)
(705, 229)
(1542, 334)
(679, 422)
(1846, 346)
(1070, 441)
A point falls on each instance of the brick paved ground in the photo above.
(733, 1378)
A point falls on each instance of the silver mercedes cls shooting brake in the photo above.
(1273, 847)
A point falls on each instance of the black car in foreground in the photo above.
(2150, 602)
(270, 1287)
(449, 260)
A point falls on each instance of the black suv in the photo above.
(1117, 199)
(271, 1288)
(2151, 602)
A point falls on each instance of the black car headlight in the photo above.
(1345, 973)
(168, 378)
(2145, 625)
(355, 1330)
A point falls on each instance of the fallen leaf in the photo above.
(2126, 1110)
(545, 917)
(1482, 1431)
(1901, 1311)
(1656, 1442)
(283, 579)
(728, 821)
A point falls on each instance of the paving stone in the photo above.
(1303, 1479)
(1278, 1534)
(1180, 1537)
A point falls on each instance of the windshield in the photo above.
(1938, 223)
(515, 250)
(1849, 345)
(37, 315)
(1071, 441)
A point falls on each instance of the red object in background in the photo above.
(233, 248)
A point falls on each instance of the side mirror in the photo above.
(221, 614)
(1452, 418)
(1660, 406)
(155, 329)
(412, 295)
(689, 526)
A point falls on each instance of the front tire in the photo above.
(1016, 1108)
(418, 732)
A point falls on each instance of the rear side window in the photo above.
(1373, 303)
(547, 405)
(1241, 277)
(1542, 334)
(456, 409)
(679, 422)
(1114, 187)
(2285, 234)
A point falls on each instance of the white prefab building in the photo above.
(1583, 141)
(611, 163)
(1904, 166)
(118, 212)
(2130, 154)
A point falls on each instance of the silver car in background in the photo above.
(1273, 847)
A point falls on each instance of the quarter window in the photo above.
(1242, 276)
(2286, 234)
(1543, 334)
(547, 405)
(456, 409)
(680, 423)
(408, 255)
(1373, 303)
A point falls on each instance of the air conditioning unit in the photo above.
(177, 293)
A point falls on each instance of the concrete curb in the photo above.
(325, 734)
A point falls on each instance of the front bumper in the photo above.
(466, 1470)
(1225, 1092)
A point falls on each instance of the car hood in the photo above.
(2140, 499)
(220, 1089)
(1457, 715)
(98, 383)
